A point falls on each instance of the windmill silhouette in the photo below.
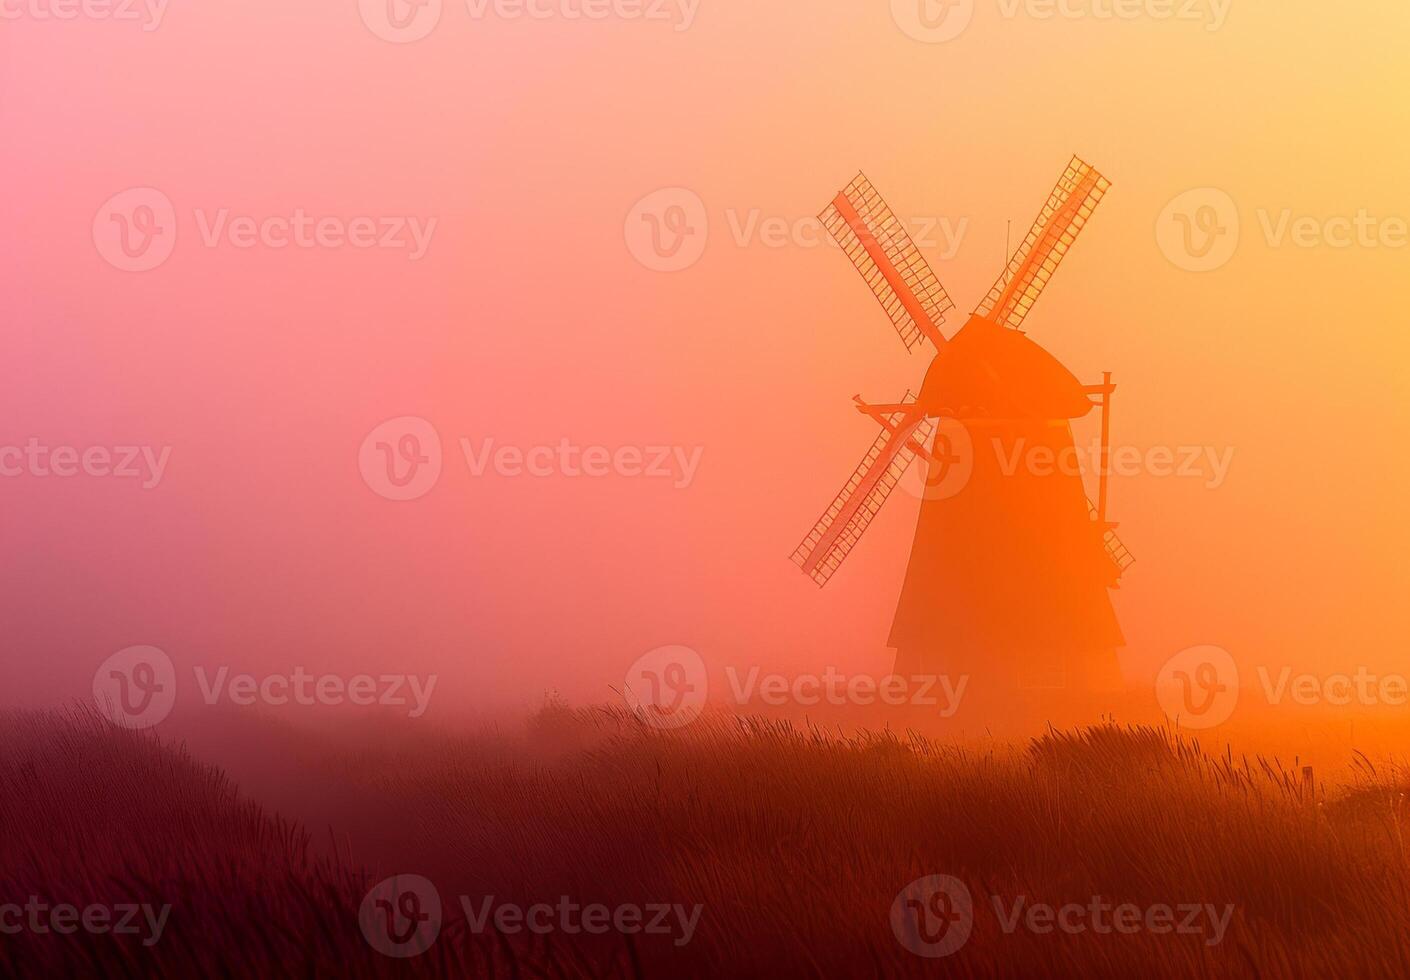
(1009, 574)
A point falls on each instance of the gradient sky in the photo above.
(529, 321)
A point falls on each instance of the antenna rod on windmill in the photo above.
(1008, 248)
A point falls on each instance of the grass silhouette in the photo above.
(794, 841)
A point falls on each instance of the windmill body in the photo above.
(1009, 575)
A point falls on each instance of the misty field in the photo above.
(736, 848)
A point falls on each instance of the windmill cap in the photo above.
(991, 371)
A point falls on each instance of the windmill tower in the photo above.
(1009, 576)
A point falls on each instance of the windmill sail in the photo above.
(895, 271)
(850, 514)
(1078, 192)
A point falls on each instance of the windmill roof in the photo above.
(991, 371)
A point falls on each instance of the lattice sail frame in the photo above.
(1078, 192)
(849, 515)
(880, 248)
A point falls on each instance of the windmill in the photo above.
(1008, 576)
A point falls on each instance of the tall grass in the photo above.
(794, 840)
